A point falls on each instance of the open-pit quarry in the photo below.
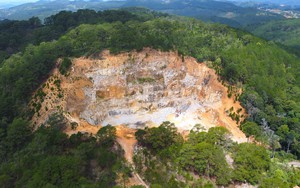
(134, 90)
(139, 89)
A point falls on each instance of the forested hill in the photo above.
(267, 75)
(16, 35)
(285, 32)
(207, 10)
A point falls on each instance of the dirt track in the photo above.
(138, 90)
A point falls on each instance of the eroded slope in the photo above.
(138, 90)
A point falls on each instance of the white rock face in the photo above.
(145, 89)
(144, 92)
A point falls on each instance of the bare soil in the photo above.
(138, 89)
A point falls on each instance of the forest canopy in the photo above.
(267, 74)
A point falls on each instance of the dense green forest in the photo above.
(165, 160)
(207, 10)
(16, 35)
(267, 74)
(210, 11)
(49, 158)
(285, 32)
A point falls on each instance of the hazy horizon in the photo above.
(8, 4)
(16, 1)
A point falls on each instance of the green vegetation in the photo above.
(158, 138)
(285, 32)
(210, 11)
(107, 135)
(65, 66)
(22, 73)
(251, 162)
(145, 80)
(200, 161)
(16, 35)
(206, 10)
(252, 129)
(48, 158)
(267, 74)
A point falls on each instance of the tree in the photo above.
(250, 162)
(206, 159)
(159, 138)
(19, 133)
(218, 136)
(290, 138)
(273, 182)
(251, 129)
(35, 22)
(65, 66)
(107, 135)
(57, 121)
(140, 135)
(195, 138)
(60, 171)
(48, 140)
(287, 137)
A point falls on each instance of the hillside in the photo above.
(136, 90)
(141, 90)
(211, 11)
(278, 2)
(160, 68)
(285, 32)
(266, 20)
(45, 9)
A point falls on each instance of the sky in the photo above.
(16, 1)
(10, 3)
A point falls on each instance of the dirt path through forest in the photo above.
(126, 138)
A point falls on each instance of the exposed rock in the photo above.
(145, 88)
(294, 164)
(110, 92)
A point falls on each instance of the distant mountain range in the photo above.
(207, 10)
(282, 2)
(45, 8)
